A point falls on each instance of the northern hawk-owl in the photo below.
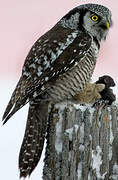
(59, 64)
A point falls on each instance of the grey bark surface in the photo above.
(82, 143)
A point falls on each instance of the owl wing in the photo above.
(62, 61)
(43, 65)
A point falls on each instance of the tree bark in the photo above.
(82, 143)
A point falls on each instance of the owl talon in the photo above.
(100, 104)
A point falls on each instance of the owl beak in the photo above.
(107, 25)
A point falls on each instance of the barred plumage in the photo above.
(58, 66)
(75, 80)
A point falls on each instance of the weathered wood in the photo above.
(82, 143)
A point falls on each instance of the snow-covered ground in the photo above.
(11, 136)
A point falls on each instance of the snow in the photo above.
(70, 131)
(115, 172)
(89, 176)
(97, 161)
(111, 135)
(111, 140)
(82, 133)
(58, 144)
(79, 171)
(91, 115)
(83, 108)
(81, 147)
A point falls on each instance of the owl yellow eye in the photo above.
(94, 18)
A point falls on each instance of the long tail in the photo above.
(34, 137)
(17, 101)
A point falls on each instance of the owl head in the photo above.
(95, 19)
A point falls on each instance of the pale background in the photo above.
(22, 22)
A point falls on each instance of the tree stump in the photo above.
(82, 143)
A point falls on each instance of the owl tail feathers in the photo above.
(12, 108)
(34, 138)
(17, 101)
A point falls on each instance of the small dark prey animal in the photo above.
(107, 95)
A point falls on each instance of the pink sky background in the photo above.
(22, 22)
